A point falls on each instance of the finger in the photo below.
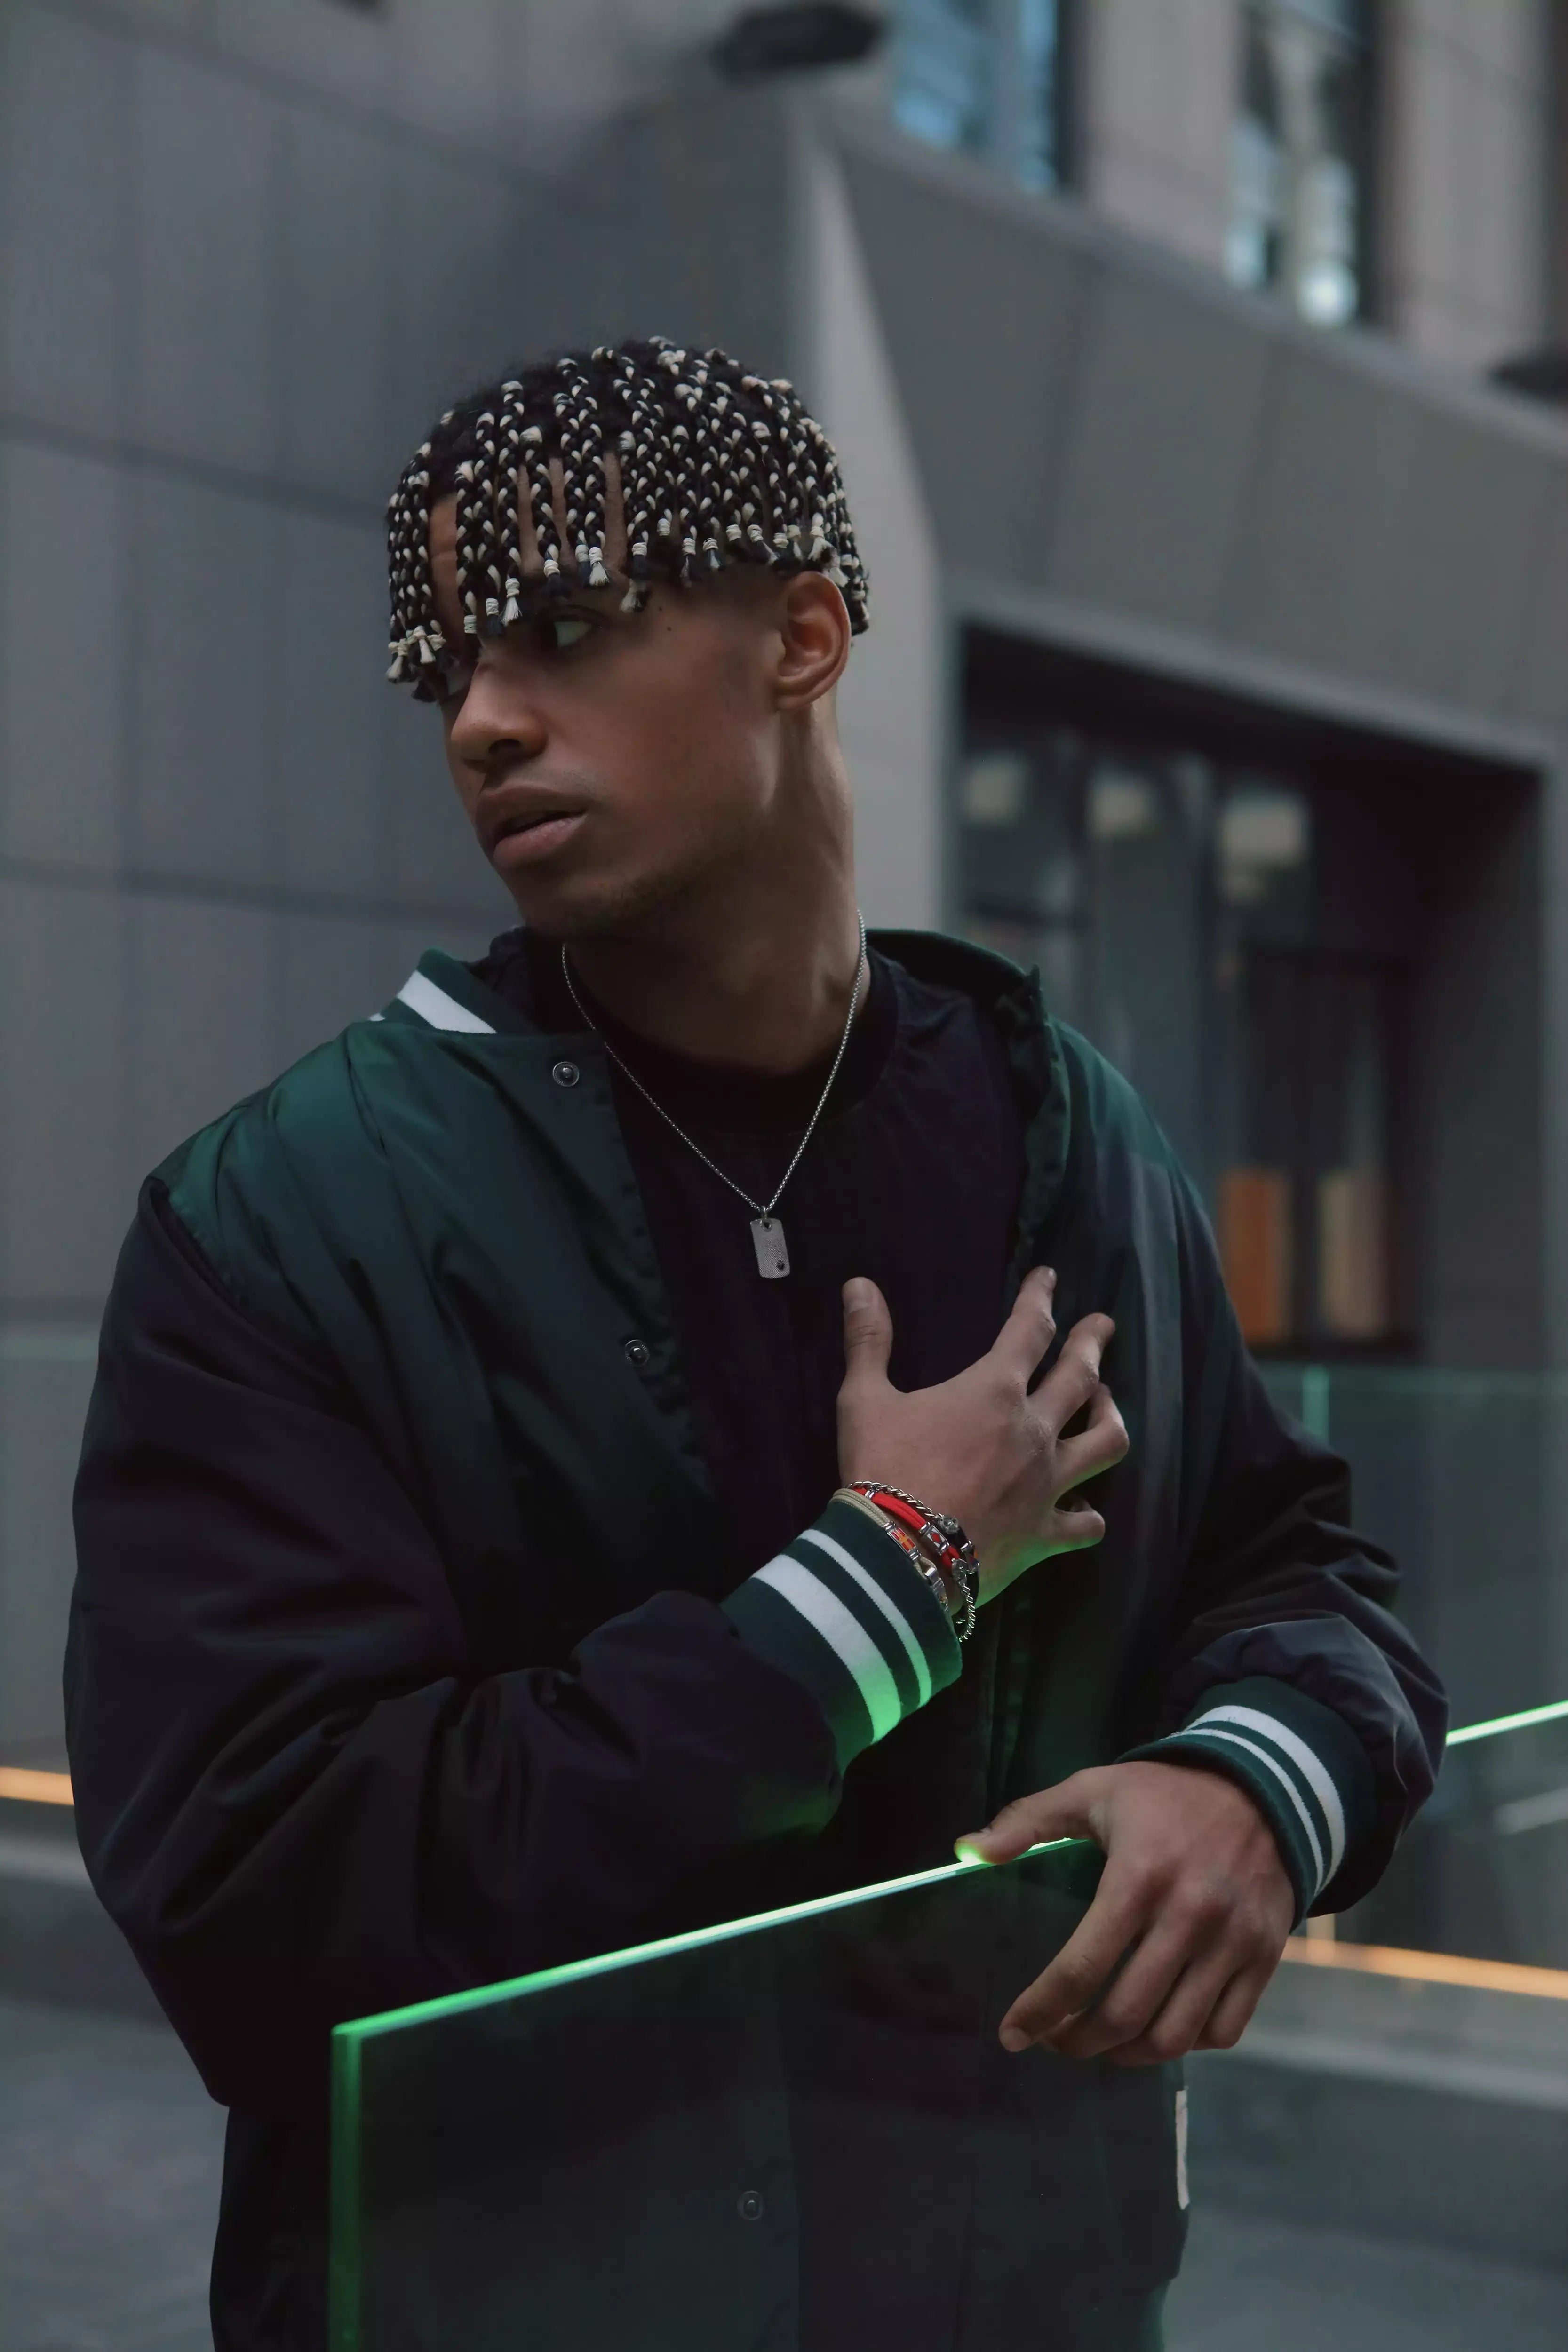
(1031, 1327)
(1058, 1812)
(1115, 1920)
(1077, 1529)
(1139, 1993)
(1183, 2023)
(1103, 1440)
(868, 1331)
(1074, 1378)
(1231, 2012)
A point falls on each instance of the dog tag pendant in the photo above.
(768, 1240)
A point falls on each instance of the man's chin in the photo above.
(592, 907)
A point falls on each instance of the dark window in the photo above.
(991, 78)
(1301, 160)
(1235, 906)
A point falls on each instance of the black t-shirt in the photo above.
(913, 1177)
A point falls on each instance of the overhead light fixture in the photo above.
(799, 39)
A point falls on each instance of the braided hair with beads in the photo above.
(717, 468)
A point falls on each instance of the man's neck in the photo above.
(754, 983)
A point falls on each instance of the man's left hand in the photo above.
(1195, 1905)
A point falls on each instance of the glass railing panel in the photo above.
(1483, 1874)
(795, 2124)
(799, 2134)
(1463, 1476)
(662, 2147)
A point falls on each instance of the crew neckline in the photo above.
(705, 1094)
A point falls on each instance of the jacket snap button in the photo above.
(565, 1074)
(749, 2206)
(636, 1352)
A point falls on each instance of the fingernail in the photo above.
(967, 1848)
(855, 1290)
(1014, 2038)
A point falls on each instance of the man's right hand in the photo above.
(983, 1446)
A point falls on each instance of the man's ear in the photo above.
(814, 637)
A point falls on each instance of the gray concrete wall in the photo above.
(235, 294)
(1465, 191)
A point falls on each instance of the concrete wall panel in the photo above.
(205, 335)
(1167, 409)
(64, 182)
(46, 1378)
(459, 284)
(890, 703)
(1463, 182)
(326, 973)
(432, 858)
(1467, 550)
(1316, 552)
(207, 604)
(198, 1006)
(337, 270)
(61, 1099)
(1199, 460)
(339, 53)
(984, 319)
(1160, 85)
(1540, 681)
(64, 583)
(331, 701)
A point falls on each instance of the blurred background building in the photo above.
(1221, 584)
(1197, 368)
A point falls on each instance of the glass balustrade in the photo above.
(772, 2132)
(661, 2147)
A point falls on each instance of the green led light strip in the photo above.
(426, 2012)
(1555, 1713)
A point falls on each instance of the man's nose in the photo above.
(500, 722)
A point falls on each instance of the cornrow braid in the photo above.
(417, 640)
(634, 449)
(717, 466)
(581, 434)
(511, 423)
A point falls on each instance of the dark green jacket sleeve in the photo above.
(300, 1794)
(1290, 1671)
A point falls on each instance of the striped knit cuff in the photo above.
(1300, 1763)
(847, 1614)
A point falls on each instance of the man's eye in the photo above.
(566, 629)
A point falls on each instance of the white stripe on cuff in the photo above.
(895, 1617)
(851, 1643)
(1306, 1762)
(1235, 1739)
(442, 1011)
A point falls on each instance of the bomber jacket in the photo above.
(394, 1667)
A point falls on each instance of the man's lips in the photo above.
(527, 837)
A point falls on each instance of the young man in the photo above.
(463, 1586)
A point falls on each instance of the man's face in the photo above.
(610, 761)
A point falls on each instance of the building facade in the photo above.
(1219, 659)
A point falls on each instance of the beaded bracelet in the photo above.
(935, 1543)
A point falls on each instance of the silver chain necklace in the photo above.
(767, 1231)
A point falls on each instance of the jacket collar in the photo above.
(447, 994)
